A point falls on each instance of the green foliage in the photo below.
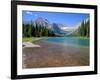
(36, 31)
(31, 39)
(84, 29)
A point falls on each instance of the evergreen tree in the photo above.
(83, 29)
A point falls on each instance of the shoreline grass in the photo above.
(32, 39)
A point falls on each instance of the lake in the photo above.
(72, 41)
(57, 52)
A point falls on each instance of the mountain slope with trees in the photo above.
(42, 27)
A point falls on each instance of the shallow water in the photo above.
(54, 55)
(57, 52)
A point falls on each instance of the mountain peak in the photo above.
(42, 19)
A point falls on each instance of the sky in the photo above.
(69, 19)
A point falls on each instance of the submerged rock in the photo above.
(29, 44)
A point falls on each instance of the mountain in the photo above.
(57, 30)
(70, 30)
(42, 22)
(81, 28)
(45, 23)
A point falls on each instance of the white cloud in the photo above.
(29, 12)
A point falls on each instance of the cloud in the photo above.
(29, 12)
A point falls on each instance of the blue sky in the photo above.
(69, 19)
